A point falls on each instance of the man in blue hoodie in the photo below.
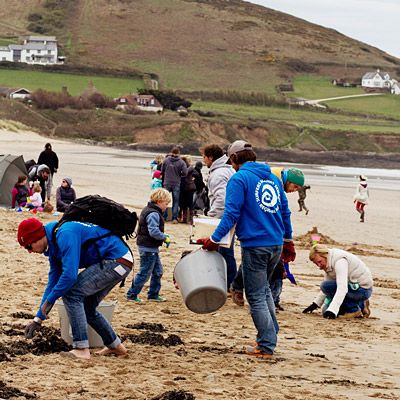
(257, 204)
(105, 261)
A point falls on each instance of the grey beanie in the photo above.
(68, 180)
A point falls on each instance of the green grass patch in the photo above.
(387, 105)
(6, 41)
(314, 87)
(299, 117)
(76, 84)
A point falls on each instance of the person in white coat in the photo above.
(219, 174)
(347, 286)
(361, 197)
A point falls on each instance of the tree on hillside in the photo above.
(168, 99)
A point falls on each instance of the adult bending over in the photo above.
(105, 261)
(347, 285)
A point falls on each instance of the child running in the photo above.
(150, 237)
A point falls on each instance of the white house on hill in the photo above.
(377, 80)
(35, 50)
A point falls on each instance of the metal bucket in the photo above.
(201, 277)
(107, 309)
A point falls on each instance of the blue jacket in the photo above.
(70, 237)
(257, 204)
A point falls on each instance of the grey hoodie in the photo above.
(219, 175)
(172, 170)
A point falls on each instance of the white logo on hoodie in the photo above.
(267, 196)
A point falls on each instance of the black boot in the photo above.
(362, 216)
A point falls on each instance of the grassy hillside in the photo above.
(51, 81)
(193, 44)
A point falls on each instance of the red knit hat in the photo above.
(30, 231)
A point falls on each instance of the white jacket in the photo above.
(344, 267)
(219, 175)
(362, 193)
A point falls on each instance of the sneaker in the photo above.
(307, 212)
(257, 352)
(237, 297)
(158, 299)
(135, 300)
(366, 311)
(355, 314)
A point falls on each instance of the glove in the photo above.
(167, 241)
(208, 244)
(31, 328)
(288, 252)
(46, 308)
(310, 308)
(329, 315)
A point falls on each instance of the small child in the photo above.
(36, 198)
(149, 238)
(156, 182)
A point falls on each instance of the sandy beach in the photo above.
(315, 358)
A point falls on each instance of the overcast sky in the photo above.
(375, 22)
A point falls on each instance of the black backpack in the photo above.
(103, 212)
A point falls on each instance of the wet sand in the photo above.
(315, 358)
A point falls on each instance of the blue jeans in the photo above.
(150, 265)
(175, 190)
(258, 264)
(229, 255)
(276, 289)
(354, 299)
(81, 301)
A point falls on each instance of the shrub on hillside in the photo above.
(55, 100)
(297, 65)
(168, 99)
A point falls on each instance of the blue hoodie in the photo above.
(68, 250)
(257, 204)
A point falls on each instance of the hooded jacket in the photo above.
(219, 175)
(257, 204)
(173, 169)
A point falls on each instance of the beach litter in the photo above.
(175, 395)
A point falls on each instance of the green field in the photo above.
(299, 117)
(76, 84)
(313, 87)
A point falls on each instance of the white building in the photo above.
(377, 80)
(35, 50)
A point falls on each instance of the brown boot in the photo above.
(362, 216)
(184, 218)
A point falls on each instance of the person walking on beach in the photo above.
(149, 238)
(172, 170)
(49, 157)
(302, 196)
(219, 174)
(105, 261)
(257, 204)
(361, 197)
(347, 286)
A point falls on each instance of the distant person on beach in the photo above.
(104, 263)
(361, 197)
(302, 196)
(292, 180)
(347, 286)
(172, 170)
(188, 188)
(49, 157)
(257, 204)
(20, 192)
(150, 237)
(36, 200)
(65, 194)
(156, 182)
(156, 164)
(218, 176)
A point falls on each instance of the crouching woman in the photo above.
(347, 285)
